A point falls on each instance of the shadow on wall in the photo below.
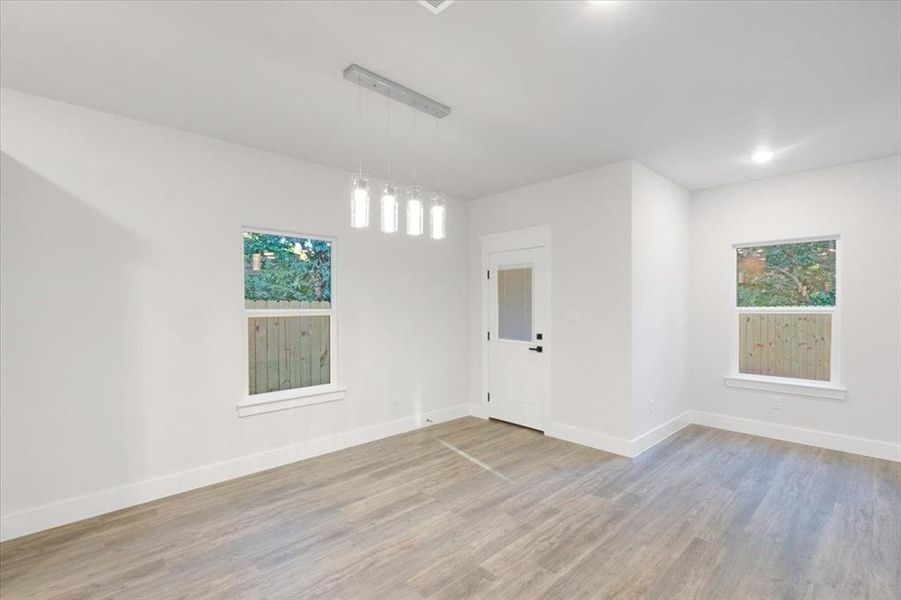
(66, 360)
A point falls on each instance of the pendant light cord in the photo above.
(437, 155)
(415, 157)
(388, 107)
(360, 123)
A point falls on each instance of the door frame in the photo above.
(518, 239)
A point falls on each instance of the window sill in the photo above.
(782, 385)
(264, 403)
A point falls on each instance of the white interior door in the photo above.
(517, 355)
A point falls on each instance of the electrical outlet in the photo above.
(651, 406)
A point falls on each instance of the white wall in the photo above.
(660, 279)
(122, 354)
(862, 203)
(120, 298)
(590, 290)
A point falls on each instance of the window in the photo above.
(786, 311)
(290, 314)
(514, 304)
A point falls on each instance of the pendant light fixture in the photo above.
(389, 209)
(438, 212)
(414, 195)
(359, 200)
(437, 217)
(415, 212)
(389, 194)
(359, 203)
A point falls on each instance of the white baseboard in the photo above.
(799, 435)
(651, 438)
(617, 445)
(635, 446)
(70, 510)
(82, 507)
(478, 410)
(444, 414)
(809, 437)
(599, 441)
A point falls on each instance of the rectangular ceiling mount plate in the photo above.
(384, 86)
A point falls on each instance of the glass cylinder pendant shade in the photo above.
(389, 209)
(359, 203)
(437, 217)
(415, 211)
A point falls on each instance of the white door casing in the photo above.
(516, 319)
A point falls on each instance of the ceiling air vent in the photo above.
(436, 6)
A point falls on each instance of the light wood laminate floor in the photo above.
(705, 514)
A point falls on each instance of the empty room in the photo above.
(440, 299)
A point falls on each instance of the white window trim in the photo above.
(294, 398)
(830, 390)
(787, 385)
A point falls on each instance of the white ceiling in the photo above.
(538, 89)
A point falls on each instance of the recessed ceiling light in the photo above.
(762, 155)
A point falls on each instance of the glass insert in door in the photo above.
(514, 304)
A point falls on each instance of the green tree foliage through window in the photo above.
(799, 274)
(278, 267)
